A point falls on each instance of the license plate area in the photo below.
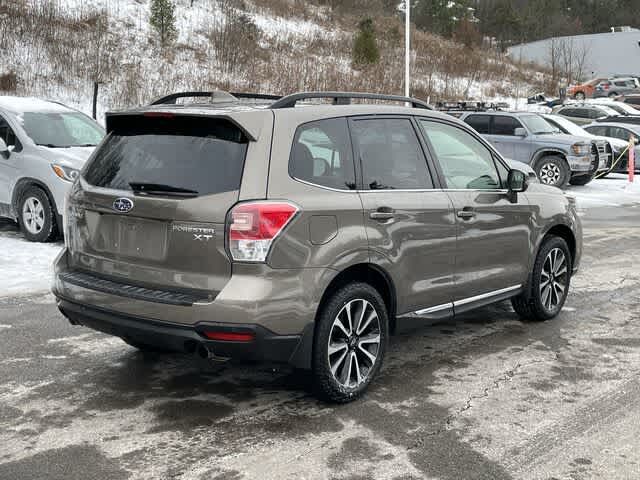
(131, 237)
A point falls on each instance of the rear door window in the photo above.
(390, 154)
(480, 123)
(503, 125)
(197, 154)
(322, 155)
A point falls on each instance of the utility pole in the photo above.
(407, 45)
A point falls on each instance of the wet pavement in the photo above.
(484, 396)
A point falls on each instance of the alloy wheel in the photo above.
(550, 174)
(33, 215)
(554, 279)
(354, 343)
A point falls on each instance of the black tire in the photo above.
(581, 180)
(579, 96)
(529, 305)
(47, 231)
(325, 383)
(558, 166)
(613, 94)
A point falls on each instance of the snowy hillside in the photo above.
(58, 48)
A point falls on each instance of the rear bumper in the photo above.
(265, 346)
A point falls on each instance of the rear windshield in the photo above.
(202, 155)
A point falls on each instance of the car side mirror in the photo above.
(4, 150)
(520, 132)
(517, 181)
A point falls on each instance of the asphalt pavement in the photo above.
(484, 396)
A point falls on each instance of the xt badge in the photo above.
(202, 237)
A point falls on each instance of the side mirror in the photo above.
(520, 132)
(517, 181)
(3, 147)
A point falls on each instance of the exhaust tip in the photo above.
(206, 353)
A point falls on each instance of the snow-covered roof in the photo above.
(30, 104)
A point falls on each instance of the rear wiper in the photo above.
(51, 145)
(142, 188)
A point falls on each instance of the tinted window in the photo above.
(61, 129)
(480, 123)
(621, 133)
(596, 113)
(633, 100)
(576, 112)
(597, 130)
(465, 162)
(391, 155)
(321, 154)
(198, 154)
(505, 125)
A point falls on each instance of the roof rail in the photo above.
(344, 98)
(216, 96)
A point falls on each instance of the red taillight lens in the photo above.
(253, 227)
(230, 336)
(159, 114)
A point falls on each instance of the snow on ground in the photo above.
(611, 191)
(25, 267)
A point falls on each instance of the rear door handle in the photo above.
(466, 214)
(382, 213)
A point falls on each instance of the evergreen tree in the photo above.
(365, 48)
(163, 20)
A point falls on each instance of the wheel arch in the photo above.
(548, 152)
(369, 273)
(561, 230)
(22, 185)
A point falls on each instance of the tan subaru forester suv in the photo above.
(304, 231)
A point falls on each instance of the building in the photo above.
(605, 54)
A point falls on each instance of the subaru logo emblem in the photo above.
(122, 205)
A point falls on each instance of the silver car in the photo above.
(43, 146)
(526, 137)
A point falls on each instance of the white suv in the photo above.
(43, 145)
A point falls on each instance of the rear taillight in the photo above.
(253, 226)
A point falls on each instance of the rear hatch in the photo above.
(149, 209)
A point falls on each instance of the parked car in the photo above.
(621, 108)
(632, 99)
(584, 113)
(584, 90)
(304, 235)
(616, 86)
(527, 137)
(622, 132)
(43, 146)
(609, 148)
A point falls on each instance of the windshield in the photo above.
(568, 126)
(538, 125)
(61, 129)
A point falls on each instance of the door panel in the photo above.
(8, 163)
(492, 251)
(416, 244)
(493, 242)
(410, 225)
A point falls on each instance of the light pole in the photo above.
(407, 45)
